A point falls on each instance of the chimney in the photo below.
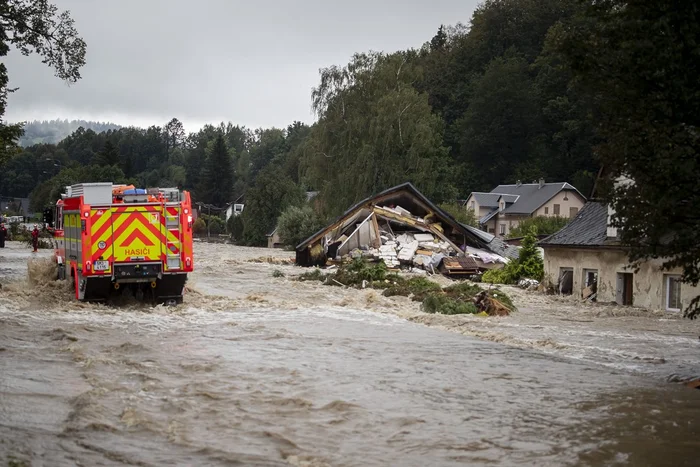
(518, 183)
(541, 182)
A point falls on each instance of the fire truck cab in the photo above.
(115, 237)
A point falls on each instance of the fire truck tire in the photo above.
(169, 289)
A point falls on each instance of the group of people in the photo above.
(35, 236)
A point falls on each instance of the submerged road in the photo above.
(245, 375)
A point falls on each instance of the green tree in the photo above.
(36, 26)
(272, 193)
(374, 125)
(529, 265)
(460, 213)
(173, 135)
(108, 156)
(297, 223)
(217, 176)
(638, 62)
(499, 130)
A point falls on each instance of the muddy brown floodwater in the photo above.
(260, 370)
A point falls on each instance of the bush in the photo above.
(199, 227)
(296, 224)
(417, 287)
(216, 226)
(277, 273)
(314, 275)
(358, 271)
(234, 227)
(445, 305)
(539, 225)
(529, 265)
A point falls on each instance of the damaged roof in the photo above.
(588, 228)
(495, 244)
(531, 196)
(409, 189)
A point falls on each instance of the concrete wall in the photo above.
(574, 201)
(649, 284)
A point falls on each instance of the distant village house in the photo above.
(502, 210)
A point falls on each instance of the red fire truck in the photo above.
(115, 237)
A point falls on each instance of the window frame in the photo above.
(667, 282)
(502, 229)
(557, 209)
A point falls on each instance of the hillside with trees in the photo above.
(53, 131)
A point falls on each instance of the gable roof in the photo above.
(490, 200)
(412, 191)
(530, 196)
(588, 228)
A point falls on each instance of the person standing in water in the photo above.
(35, 238)
(3, 235)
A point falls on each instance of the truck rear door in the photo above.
(136, 233)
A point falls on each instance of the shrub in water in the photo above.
(418, 287)
(445, 305)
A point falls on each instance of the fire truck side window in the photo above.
(58, 219)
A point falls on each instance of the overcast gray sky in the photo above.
(204, 61)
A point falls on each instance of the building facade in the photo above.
(585, 258)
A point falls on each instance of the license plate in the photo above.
(100, 266)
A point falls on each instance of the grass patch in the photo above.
(314, 275)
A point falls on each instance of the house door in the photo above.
(625, 284)
(566, 281)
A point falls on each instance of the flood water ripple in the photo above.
(272, 377)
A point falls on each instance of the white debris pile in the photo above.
(401, 240)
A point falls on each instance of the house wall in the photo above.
(510, 220)
(574, 201)
(273, 241)
(649, 284)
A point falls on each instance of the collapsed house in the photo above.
(401, 227)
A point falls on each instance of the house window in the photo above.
(546, 210)
(556, 209)
(673, 293)
(573, 212)
(503, 229)
(473, 205)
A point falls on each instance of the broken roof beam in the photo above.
(357, 229)
(444, 238)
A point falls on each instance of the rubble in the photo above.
(406, 231)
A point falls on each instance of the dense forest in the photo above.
(475, 106)
(53, 131)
